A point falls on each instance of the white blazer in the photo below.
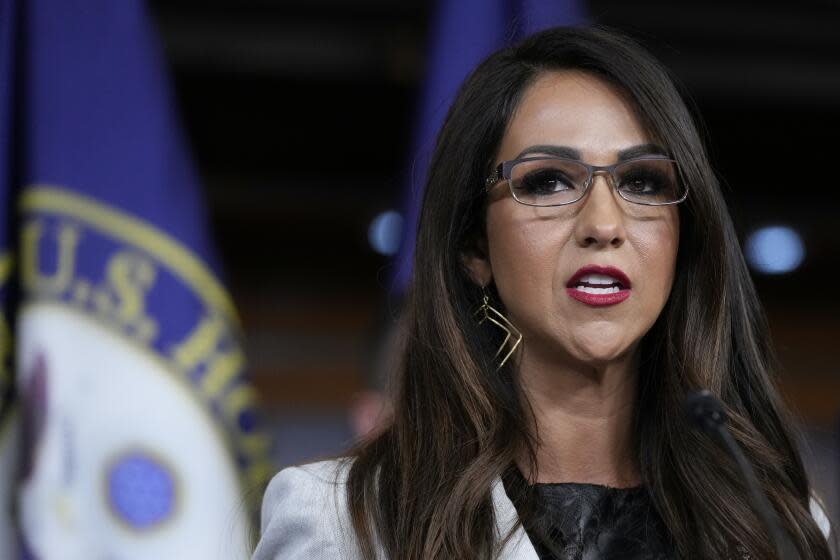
(305, 516)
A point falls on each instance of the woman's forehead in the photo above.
(577, 110)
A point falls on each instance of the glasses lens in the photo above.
(547, 182)
(649, 181)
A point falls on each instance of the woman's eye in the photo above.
(643, 184)
(545, 181)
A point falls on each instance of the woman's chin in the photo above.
(595, 347)
(601, 352)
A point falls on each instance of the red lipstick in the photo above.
(609, 287)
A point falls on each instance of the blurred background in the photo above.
(301, 116)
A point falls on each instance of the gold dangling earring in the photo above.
(490, 313)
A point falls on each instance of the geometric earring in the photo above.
(490, 313)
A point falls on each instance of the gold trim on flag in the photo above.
(180, 260)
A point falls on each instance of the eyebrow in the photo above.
(571, 153)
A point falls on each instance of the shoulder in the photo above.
(305, 515)
(318, 475)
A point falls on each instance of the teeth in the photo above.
(598, 279)
(589, 290)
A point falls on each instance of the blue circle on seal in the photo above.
(141, 490)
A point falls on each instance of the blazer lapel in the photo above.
(519, 546)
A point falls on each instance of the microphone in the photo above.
(706, 413)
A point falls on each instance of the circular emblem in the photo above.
(141, 490)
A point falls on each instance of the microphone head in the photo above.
(704, 411)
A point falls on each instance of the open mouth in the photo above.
(599, 285)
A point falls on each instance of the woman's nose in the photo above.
(600, 221)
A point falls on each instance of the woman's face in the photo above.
(532, 253)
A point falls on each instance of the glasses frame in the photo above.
(504, 169)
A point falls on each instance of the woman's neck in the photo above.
(584, 416)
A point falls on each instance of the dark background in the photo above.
(300, 113)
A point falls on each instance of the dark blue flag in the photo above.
(138, 423)
(8, 417)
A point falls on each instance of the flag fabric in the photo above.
(9, 423)
(138, 426)
(463, 33)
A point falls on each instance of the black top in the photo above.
(592, 522)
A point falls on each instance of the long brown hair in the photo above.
(421, 486)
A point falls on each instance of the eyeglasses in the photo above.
(555, 181)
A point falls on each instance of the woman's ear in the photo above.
(477, 262)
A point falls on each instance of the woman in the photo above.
(577, 274)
